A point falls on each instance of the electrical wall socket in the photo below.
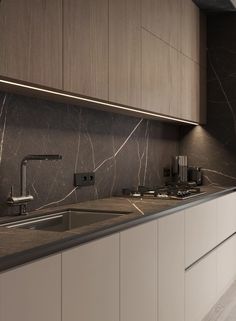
(84, 179)
(166, 172)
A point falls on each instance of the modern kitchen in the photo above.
(117, 160)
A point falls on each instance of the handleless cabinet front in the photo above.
(32, 292)
(125, 52)
(200, 288)
(163, 18)
(226, 216)
(155, 74)
(226, 265)
(31, 41)
(138, 273)
(190, 30)
(171, 267)
(85, 50)
(200, 231)
(90, 281)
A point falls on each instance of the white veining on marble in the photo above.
(95, 169)
(218, 173)
(93, 160)
(224, 93)
(140, 158)
(92, 147)
(4, 126)
(57, 202)
(78, 142)
(34, 189)
(3, 104)
(114, 160)
(211, 183)
(135, 206)
(146, 153)
(120, 148)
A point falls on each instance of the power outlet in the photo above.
(166, 172)
(84, 179)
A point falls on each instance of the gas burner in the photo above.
(177, 191)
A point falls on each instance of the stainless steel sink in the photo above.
(65, 220)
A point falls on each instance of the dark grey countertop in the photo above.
(19, 246)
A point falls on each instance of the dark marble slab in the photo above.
(19, 246)
(213, 147)
(122, 151)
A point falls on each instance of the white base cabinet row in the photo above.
(111, 279)
(135, 275)
(208, 279)
(207, 225)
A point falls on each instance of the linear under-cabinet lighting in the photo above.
(94, 101)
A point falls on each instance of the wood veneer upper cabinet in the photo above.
(31, 41)
(86, 47)
(203, 40)
(163, 18)
(175, 83)
(155, 74)
(125, 52)
(190, 89)
(190, 30)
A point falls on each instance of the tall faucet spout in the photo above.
(24, 164)
(24, 173)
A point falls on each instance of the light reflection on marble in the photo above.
(122, 151)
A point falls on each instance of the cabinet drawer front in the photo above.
(200, 231)
(226, 216)
(200, 288)
(32, 292)
(171, 267)
(138, 273)
(226, 265)
(90, 281)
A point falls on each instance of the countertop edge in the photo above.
(27, 256)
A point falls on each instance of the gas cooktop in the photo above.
(175, 191)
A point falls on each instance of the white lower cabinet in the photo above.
(156, 271)
(200, 231)
(32, 292)
(226, 216)
(90, 281)
(200, 288)
(226, 265)
(138, 273)
(171, 267)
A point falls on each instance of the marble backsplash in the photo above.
(213, 147)
(122, 151)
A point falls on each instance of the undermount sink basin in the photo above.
(65, 220)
